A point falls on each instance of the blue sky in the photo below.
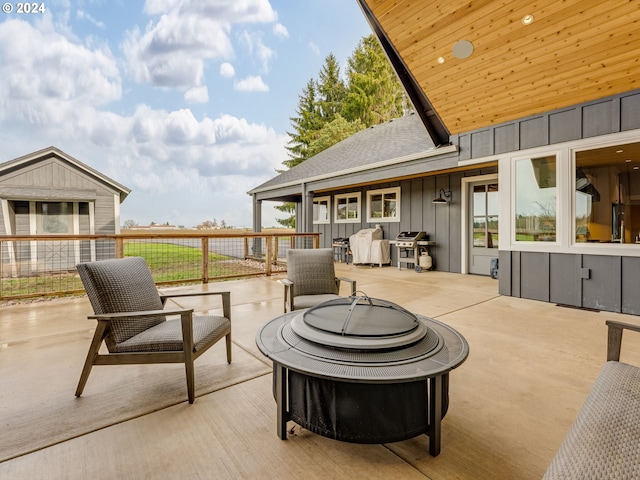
(187, 103)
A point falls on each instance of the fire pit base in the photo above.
(360, 412)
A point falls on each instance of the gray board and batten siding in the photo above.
(442, 223)
(581, 280)
(50, 176)
(601, 282)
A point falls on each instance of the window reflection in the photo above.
(607, 194)
(536, 199)
(485, 216)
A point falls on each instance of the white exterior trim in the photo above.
(361, 168)
(464, 215)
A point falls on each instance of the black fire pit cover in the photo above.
(359, 322)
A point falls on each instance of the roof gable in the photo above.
(45, 156)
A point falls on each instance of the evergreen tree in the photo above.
(331, 89)
(330, 110)
(334, 132)
(374, 93)
(305, 125)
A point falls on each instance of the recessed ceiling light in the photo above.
(636, 168)
(528, 19)
(619, 151)
(627, 161)
(441, 60)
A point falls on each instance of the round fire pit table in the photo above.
(362, 370)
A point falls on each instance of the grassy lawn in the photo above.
(171, 262)
(168, 263)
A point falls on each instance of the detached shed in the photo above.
(49, 192)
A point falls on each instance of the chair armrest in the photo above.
(288, 294)
(614, 338)
(350, 281)
(226, 299)
(146, 313)
(165, 296)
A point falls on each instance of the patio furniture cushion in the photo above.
(306, 301)
(311, 278)
(604, 440)
(133, 323)
(122, 286)
(312, 271)
(167, 336)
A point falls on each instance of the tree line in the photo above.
(333, 106)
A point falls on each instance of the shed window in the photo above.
(384, 205)
(347, 208)
(54, 217)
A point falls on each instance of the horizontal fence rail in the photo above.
(39, 265)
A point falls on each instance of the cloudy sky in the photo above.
(187, 103)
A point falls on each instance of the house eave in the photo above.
(362, 168)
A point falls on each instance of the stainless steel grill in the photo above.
(409, 247)
(409, 239)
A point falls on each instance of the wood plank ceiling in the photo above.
(574, 51)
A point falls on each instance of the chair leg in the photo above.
(191, 385)
(186, 320)
(228, 340)
(98, 336)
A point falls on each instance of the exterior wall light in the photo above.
(440, 198)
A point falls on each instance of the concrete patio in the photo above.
(530, 367)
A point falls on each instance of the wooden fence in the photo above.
(39, 265)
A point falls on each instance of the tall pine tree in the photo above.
(374, 93)
(331, 89)
(307, 122)
(330, 110)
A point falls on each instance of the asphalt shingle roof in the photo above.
(396, 139)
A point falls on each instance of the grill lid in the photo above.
(359, 322)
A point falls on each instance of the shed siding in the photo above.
(55, 173)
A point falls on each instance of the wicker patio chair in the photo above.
(311, 278)
(134, 325)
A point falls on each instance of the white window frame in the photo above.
(383, 191)
(358, 197)
(317, 200)
(560, 188)
(565, 220)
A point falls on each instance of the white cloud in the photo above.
(255, 46)
(41, 68)
(280, 30)
(56, 91)
(82, 15)
(227, 70)
(197, 95)
(315, 49)
(251, 84)
(172, 50)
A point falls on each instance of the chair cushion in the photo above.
(312, 271)
(121, 285)
(306, 301)
(167, 336)
(603, 440)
